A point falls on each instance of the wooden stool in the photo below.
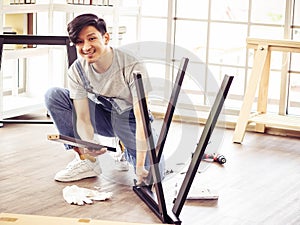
(260, 76)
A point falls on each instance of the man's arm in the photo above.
(83, 123)
(141, 145)
(84, 126)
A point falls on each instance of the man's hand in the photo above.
(94, 152)
(85, 153)
(141, 174)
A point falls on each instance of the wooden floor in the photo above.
(259, 184)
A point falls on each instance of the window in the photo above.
(215, 31)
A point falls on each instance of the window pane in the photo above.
(268, 11)
(153, 29)
(297, 12)
(195, 79)
(294, 89)
(237, 86)
(192, 9)
(157, 74)
(294, 100)
(230, 10)
(228, 47)
(191, 35)
(295, 59)
(130, 33)
(296, 34)
(274, 93)
(236, 92)
(193, 86)
(154, 8)
(266, 32)
(129, 3)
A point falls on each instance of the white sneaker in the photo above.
(121, 163)
(78, 169)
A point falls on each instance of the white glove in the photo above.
(78, 196)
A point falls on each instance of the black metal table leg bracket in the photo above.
(156, 202)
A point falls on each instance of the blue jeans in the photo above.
(106, 122)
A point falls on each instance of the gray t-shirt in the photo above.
(117, 83)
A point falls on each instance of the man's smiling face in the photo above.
(91, 44)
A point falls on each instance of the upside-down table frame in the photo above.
(156, 202)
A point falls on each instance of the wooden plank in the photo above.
(278, 121)
(257, 71)
(279, 44)
(263, 91)
(23, 219)
(276, 48)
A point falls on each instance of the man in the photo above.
(101, 99)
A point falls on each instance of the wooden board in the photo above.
(22, 219)
(77, 142)
(278, 121)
